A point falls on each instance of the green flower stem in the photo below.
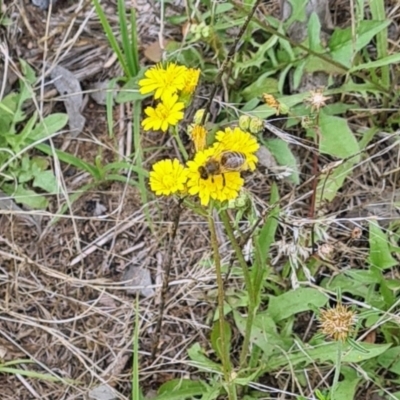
(337, 368)
(180, 144)
(225, 357)
(249, 287)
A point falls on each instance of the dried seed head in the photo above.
(316, 99)
(338, 322)
(272, 102)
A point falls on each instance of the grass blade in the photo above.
(111, 37)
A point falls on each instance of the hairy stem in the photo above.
(226, 365)
(337, 368)
(249, 287)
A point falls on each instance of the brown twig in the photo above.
(224, 65)
(164, 288)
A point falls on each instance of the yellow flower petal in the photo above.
(218, 187)
(167, 113)
(238, 140)
(163, 81)
(168, 177)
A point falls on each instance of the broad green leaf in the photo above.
(367, 277)
(346, 388)
(30, 198)
(294, 302)
(315, 63)
(48, 126)
(328, 353)
(337, 139)
(19, 140)
(298, 12)
(391, 360)
(28, 71)
(47, 181)
(196, 354)
(216, 341)
(393, 284)
(264, 84)
(344, 45)
(284, 156)
(181, 389)
(314, 32)
(353, 287)
(379, 250)
(264, 333)
(7, 109)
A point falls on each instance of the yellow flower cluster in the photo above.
(205, 175)
(214, 172)
(173, 86)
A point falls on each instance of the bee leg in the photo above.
(223, 180)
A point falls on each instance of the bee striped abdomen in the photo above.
(233, 160)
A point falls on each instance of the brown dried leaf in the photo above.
(68, 85)
(153, 52)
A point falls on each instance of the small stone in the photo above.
(102, 392)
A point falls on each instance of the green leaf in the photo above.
(198, 358)
(30, 198)
(379, 250)
(130, 91)
(389, 60)
(298, 11)
(19, 140)
(48, 126)
(391, 360)
(330, 182)
(314, 32)
(295, 301)
(337, 139)
(346, 388)
(264, 333)
(284, 156)
(263, 84)
(28, 71)
(216, 339)
(268, 230)
(181, 389)
(46, 180)
(352, 286)
(328, 353)
(70, 159)
(344, 45)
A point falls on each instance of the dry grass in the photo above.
(64, 303)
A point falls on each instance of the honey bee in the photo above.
(227, 161)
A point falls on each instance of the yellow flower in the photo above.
(218, 187)
(191, 79)
(198, 134)
(165, 82)
(238, 140)
(165, 114)
(168, 177)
